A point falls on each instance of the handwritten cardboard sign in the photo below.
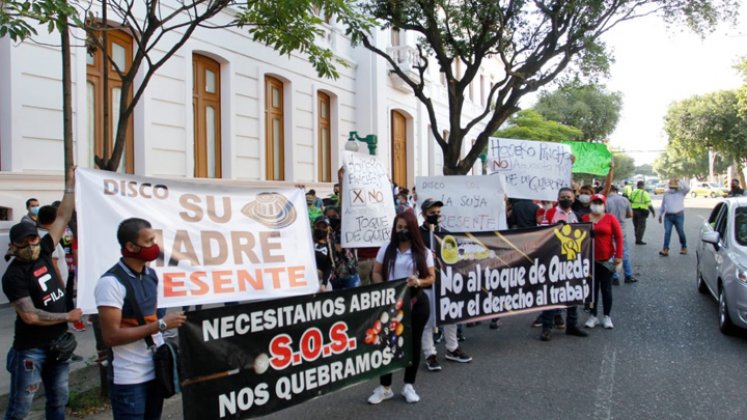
(471, 203)
(535, 170)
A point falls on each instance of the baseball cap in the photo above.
(599, 197)
(20, 231)
(430, 202)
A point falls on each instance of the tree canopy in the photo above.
(530, 125)
(590, 108)
(675, 162)
(532, 42)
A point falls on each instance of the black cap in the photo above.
(322, 219)
(430, 202)
(20, 231)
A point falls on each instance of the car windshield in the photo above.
(740, 225)
(715, 186)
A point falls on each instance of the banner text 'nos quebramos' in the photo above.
(248, 360)
(487, 274)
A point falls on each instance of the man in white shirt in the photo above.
(673, 212)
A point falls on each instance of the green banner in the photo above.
(591, 158)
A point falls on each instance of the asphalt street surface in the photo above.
(665, 359)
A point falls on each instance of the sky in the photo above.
(655, 67)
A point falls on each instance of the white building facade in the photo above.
(222, 107)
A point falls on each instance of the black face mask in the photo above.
(319, 234)
(334, 222)
(403, 236)
(565, 203)
(433, 219)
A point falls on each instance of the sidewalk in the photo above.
(83, 375)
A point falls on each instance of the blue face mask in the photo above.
(35, 211)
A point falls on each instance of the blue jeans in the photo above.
(135, 401)
(678, 220)
(627, 264)
(28, 370)
(346, 282)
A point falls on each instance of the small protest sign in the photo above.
(368, 205)
(219, 242)
(513, 271)
(471, 203)
(535, 170)
(591, 158)
(254, 359)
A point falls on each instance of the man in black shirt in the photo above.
(38, 296)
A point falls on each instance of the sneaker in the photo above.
(575, 331)
(408, 391)
(664, 252)
(495, 324)
(79, 326)
(432, 363)
(537, 322)
(545, 336)
(592, 322)
(607, 322)
(616, 281)
(559, 323)
(630, 279)
(683, 251)
(640, 243)
(381, 393)
(460, 336)
(438, 336)
(457, 356)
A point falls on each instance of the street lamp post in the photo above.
(370, 140)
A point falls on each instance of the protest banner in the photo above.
(368, 205)
(591, 158)
(219, 242)
(253, 359)
(535, 170)
(471, 203)
(514, 271)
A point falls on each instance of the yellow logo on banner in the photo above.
(450, 250)
(570, 241)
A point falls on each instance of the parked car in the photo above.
(660, 188)
(706, 189)
(721, 257)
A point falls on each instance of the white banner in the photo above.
(533, 169)
(368, 204)
(219, 243)
(471, 203)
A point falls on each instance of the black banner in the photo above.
(253, 359)
(513, 271)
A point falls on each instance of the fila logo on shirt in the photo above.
(42, 277)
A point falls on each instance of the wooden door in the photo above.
(399, 149)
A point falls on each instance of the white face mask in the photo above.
(584, 198)
(597, 208)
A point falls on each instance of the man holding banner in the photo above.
(127, 300)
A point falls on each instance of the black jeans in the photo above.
(639, 222)
(603, 281)
(419, 317)
(571, 318)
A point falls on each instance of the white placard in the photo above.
(471, 203)
(367, 205)
(533, 169)
(219, 243)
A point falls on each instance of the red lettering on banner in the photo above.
(338, 333)
(201, 283)
(311, 344)
(246, 278)
(169, 284)
(296, 276)
(202, 287)
(281, 351)
(220, 280)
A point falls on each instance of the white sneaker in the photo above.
(592, 322)
(607, 322)
(409, 393)
(380, 394)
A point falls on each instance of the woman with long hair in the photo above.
(406, 257)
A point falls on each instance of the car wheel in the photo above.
(693, 195)
(713, 195)
(702, 288)
(724, 321)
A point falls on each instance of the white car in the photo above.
(722, 261)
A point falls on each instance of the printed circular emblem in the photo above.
(450, 250)
(272, 210)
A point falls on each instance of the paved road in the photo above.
(664, 359)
